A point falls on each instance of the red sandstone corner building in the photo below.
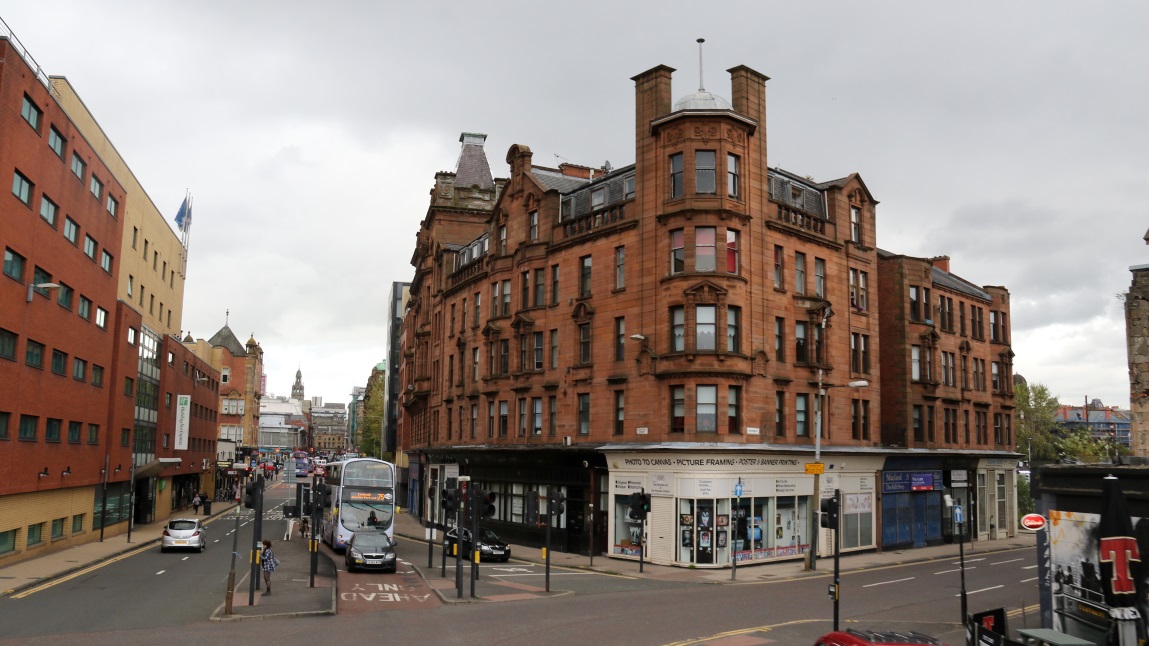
(665, 327)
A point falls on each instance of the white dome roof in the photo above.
(702, 100)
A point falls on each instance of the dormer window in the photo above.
(598, 198)
(628, 188)
(796, 195)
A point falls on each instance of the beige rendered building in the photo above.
(153, 260)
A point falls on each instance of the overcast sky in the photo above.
(1010, 136)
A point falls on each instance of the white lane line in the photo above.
(885, 582)
(1029, 567)
(948, 571)
(505, 576)
(972, 560)
(1028, 580)
(185, 558)
(1004, 562)
(160, 572)
(982, 590)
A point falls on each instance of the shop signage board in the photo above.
(907, 481)
(661, 484)
(1033, 522)
(815, 468)
(624, 484)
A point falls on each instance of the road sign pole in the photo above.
(961, 557)
(837, 552)
(733, 527)
(547, 549)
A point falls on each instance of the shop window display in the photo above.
(627, 529)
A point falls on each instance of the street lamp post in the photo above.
(132, 495)
(812, 554)
(32, 287)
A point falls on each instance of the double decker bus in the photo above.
(362, 499)
(300, 463)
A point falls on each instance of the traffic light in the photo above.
(636, 503)
(557, 498)
(829, 516)
(324, 494)
(485, 503)
(249, 491)
(532, 515)
(645, 504)
(450, 500)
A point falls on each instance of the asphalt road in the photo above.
(152, 598)
(142, 589)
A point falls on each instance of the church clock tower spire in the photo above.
(297, 387)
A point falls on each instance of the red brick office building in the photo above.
(85, 384)
(662, 327)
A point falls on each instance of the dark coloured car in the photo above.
(491, 547)
(856, 637)
(370, 551)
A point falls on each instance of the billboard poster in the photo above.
(183, 421)
(1093, 583)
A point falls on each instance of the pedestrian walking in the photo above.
(195, 503)
(305, 529)
(268, 563)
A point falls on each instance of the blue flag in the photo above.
(183, 218)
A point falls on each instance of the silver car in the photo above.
(185, 534)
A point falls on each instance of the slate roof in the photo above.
(473, 169)
(226, 338)
(555, 180)
(946, 279)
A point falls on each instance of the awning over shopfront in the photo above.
(156, 466)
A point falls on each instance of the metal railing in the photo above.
(6, 32)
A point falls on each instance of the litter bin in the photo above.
(207, 508)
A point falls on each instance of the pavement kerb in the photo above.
(103, 559)
(910, 558)
(78, 568)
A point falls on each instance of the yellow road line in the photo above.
(82, 572)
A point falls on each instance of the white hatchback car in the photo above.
(184, 533)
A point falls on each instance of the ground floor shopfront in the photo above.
(37, 523)
(714, 505)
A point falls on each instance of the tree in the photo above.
(374, 409)
(1024, 497)
(1037, 427)
(1079, 444)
